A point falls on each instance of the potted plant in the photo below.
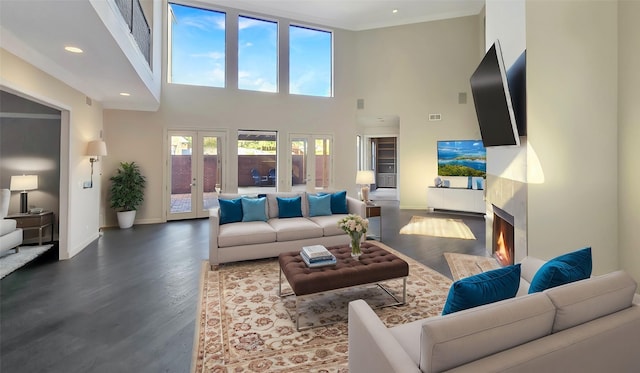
(127, 192)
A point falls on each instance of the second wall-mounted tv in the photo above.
(462, 158)
(492, 100)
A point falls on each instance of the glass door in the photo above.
(310, 162)
(195, 173)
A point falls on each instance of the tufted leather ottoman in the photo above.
(375, 265)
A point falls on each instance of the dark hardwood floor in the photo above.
(127, 303)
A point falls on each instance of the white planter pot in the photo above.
(126, 218)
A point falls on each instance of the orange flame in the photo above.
(501, 251)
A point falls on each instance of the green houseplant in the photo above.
(127, 192)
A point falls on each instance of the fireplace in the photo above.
(503, 237)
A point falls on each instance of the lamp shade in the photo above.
(24, 182)
(97, 147)
(365, 177)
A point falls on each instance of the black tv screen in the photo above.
(493, 102)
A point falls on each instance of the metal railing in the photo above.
(133, 15)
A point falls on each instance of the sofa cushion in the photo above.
(339, 202)
(272, 202)
(528, 268)
(566, 268)
(289, 207)
(230, 210)
(254, 209)
(245, 233)
(583, 301)
(319, 205)
(453, 340)
(487, 287)
(329, 224)
(295, 229)
(7, 226)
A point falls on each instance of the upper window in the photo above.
(196, 46)
(257, 54)
(310, 62)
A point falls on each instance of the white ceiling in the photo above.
(37, 31)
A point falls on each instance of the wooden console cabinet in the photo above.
(456, 199)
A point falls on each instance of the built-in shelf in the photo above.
(385, 162)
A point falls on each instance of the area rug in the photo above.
(244, 326)
(438, 227)
(463, 265)
(11, 261)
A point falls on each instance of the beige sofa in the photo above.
(265, 239)
(10, 235)
(591, 325)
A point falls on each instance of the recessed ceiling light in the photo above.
(71, 49)
(125, 94)
(394, 11)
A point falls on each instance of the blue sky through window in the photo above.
(197, 55)
(257, 54)
(197, 46)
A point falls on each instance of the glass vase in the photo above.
(355, 245)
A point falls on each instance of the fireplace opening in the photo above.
(503, 237)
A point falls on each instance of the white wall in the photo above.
(628, 137)
(414, 70)
(572, 88)
(81, 123)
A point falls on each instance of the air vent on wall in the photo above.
(435, 117)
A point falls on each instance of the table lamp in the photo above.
(365, 178)
(24, 183)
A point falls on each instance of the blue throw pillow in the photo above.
(289, 207)
(570, 267)
(319, 205)
(339, 203)
(253, 209)
(484, 288)
(230, 210)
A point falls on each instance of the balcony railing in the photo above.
(133, 15)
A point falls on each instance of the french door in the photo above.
(310, 162)
(195, 171)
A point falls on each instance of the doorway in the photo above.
(195, 167)
(310, 162)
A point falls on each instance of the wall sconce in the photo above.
(24, 183)
(365, 178)
(94, 150)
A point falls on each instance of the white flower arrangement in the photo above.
(353, 223)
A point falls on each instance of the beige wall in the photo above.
(81, 123)
(572, 88)
(414, 70)
(628, 137)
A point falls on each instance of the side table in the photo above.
(373, 211)
(34, 221)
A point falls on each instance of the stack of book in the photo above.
(317, 256)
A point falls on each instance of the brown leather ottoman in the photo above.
(375, 265)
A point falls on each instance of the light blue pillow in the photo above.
(484, 288)
(319, 205)
(253, 209)
(230, 210)
(289, 207)
(566, 268)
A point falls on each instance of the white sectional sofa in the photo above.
(592, 325)
(247, 240)
(10, 235)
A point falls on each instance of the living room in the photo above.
(581, 127)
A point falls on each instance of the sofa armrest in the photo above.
(372, 348)
(355, 206)
(214, 227)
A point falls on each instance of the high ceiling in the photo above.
(38, 30)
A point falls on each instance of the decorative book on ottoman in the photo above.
(318, 263)
(317, 252)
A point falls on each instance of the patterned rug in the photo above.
(438, 227)
(10, 261)
(463, 265)
(244, 326)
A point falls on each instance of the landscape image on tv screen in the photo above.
(462, 158)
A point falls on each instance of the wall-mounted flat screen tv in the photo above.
(493, 102)
(462, 158)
